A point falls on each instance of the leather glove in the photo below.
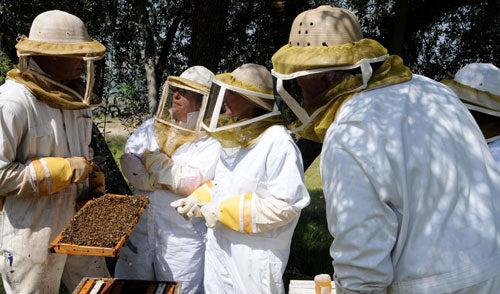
(97, 185)
(187, 207)
(80, 168)
(210, 212)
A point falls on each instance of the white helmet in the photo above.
(199, 74)
(481, 76)
(324, 26)
(58, 33)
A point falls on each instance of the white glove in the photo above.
(187, 207)
(210, 212)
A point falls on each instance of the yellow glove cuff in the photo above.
(204, 192)
(236, 213)
(52, 174)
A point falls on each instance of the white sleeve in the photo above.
(133, 169)
(183, 177)
(285, 173)
(135, 172)
(15, 177)
(363, 226)
(142, 139)
(287, 194)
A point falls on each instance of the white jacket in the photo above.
(495, 150)
(28, 222)
(237, 262)
(168, 248)
(412, 192)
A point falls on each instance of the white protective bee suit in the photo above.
(253, 204)
(34, 133)
(245, 261)
(163, 245)
(421, 214)
(410, 185)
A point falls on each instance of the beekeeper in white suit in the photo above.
(410, 186)
(478, 86)
(45, 130)
(253, 204)
(167, 158)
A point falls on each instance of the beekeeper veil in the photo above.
(181, 108)
(478, 86)
(58, 33)
(324, 59)
(252, 83)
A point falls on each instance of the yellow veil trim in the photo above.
(169, 138)
(289, 59)
(474, 96)
(391, 72)
(89, 49)
(228, 79)
(47, 91)
(481, 99)
(188, 83)
(244, 136)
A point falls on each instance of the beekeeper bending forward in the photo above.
(253, 204)
(411, 189)
(167, 158)
(45, 130)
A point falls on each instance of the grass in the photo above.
(116, 144)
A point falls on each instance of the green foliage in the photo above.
(5, 66)
(436, 37)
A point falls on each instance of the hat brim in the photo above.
(475, 99)
(289, 59)
(88, 49)
(188, 83)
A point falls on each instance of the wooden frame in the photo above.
(115, 286)
(73, 249)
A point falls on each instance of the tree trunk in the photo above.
(399, 29)
(152, 84)
(149, 53)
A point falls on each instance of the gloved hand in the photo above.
(53, 174)
(96, 182)
(181, 179)
(80, 168)
(155, 162)
(210, 212)
(187, 207)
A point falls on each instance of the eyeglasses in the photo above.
(185, 93)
